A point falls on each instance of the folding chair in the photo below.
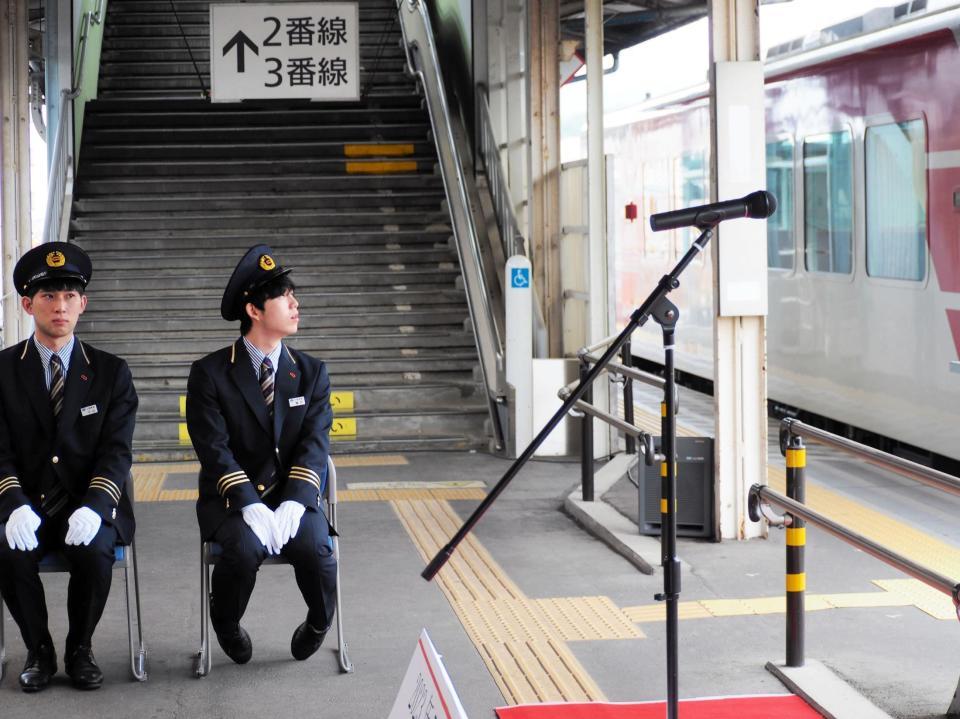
(210, 553)
(126, 559)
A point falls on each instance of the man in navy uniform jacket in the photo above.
(259, 418)
(67, 412)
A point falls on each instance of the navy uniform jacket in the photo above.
(243, 457)
(87, 449)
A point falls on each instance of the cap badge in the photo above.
(267, 263)
(56, 259)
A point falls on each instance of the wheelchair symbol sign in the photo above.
(520, 277)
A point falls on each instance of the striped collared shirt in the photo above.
(46, 353)
(256, 356)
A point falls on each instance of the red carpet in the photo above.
(786, 706)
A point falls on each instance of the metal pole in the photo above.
(668, 509)
(796, 544)
(631, 441)
(586, 439)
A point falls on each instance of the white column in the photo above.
(740, 272)
(518, 305)
(597, 204)
(14, 156)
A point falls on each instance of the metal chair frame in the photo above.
(210, 551)
(126, 559)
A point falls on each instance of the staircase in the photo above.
(173, 189)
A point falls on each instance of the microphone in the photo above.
(758, 205)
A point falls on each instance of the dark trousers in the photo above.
(235, 572)
(91, 570)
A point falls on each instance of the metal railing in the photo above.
(56, 220)
(423, 62)
(621, 373)
(510, 235)
(792, 434)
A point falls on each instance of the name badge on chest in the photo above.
(88, 410)
(297, 402)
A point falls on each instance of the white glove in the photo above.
(22, 525)
(261, 520)
(288, 516)
(82, 526)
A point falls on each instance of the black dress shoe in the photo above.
(236, 644)
(306, 640)
(41, 665)
(82, 668)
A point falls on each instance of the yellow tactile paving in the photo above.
(650, 422)
(522, 645)
(926, 598)
(588, 618)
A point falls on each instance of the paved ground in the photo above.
(900, 656)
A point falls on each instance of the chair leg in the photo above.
(346, 666)
(202, 661)
(138, 652)
(3, 645)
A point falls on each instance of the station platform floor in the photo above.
(532, 607)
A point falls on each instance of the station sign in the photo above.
(268, 51)
(426, 691)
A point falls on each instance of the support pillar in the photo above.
(740, 264)
(596, 201)
(14, 157)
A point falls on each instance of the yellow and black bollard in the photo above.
(796, 543)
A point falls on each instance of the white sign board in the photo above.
(285, 50)
(426, 691)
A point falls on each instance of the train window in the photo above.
(693, 190)
(780, 226)
(828, 203)
(896, 201)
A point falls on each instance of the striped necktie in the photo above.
(266, 384)
(55, 500)
(56, 384)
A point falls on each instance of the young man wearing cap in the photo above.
(259, 417)
(67, 412)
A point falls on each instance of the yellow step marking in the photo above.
(522, 642)
(388, 167)
(381, 150)
(343, 427)
(341, 401)
(183, 405)
(183, 433)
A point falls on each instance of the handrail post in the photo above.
(796, 455)
(586, 438)
(631, 441)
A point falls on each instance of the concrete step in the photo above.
(411, 165)
(174, 301)
(229, 147)
(359, 132)
(179, 186)
(367, 399)
(326, 344)
(188, 324)
(237, 240)
(302, 258)
(381, 201)
(425, 423)
(161, 451)
(258, 219)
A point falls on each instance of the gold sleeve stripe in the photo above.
(227, 486)
(109, 488)
(108, 481)
(305, 470)
(304, 478)
(8, 483)
(227, 477)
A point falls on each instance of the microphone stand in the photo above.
(664, 313)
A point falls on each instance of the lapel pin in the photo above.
(83, 377)
(293, 375)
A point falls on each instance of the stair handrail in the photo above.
(422, 62)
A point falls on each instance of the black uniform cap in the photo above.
(254, 270)
(51, 261)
